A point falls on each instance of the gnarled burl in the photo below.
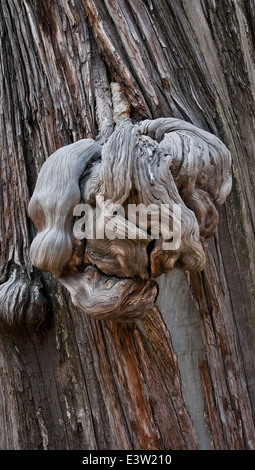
(156, 162)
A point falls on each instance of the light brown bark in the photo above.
(71, 382)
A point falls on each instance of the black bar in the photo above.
(120, 459)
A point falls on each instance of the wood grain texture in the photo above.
(156, 163)
(76, 382)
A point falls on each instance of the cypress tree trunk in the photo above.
(184, 376)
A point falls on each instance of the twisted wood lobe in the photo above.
(158, 162)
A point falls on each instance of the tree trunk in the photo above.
(184, 376)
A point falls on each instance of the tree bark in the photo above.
(183, 377)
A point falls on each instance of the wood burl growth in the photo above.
(128, 187)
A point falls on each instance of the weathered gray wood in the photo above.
(156, 164)
(81, 383)
(181, 315)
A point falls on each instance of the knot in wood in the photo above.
(128, 189)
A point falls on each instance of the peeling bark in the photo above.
(71, 382)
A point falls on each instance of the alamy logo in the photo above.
(134, 222)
